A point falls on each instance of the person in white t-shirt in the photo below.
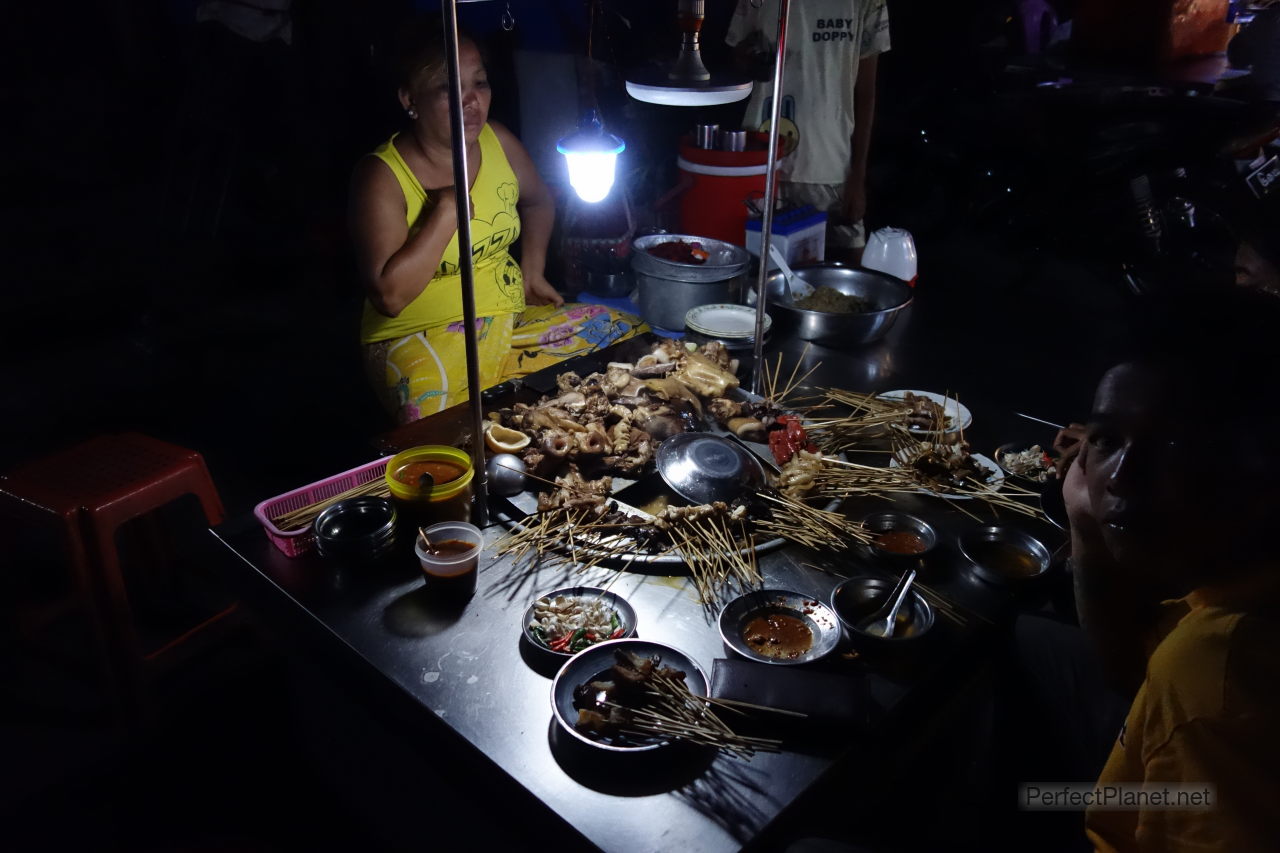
(829, 94)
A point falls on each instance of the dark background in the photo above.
(175, 262)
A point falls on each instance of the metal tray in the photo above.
(526, 504)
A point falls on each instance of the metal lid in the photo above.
(704, 468)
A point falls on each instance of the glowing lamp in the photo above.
(592, 157)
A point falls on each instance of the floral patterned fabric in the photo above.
(426, 372)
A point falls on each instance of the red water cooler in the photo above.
(720, 185)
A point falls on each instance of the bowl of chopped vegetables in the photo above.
(843, 307)
(566, 621)
(1030, 463)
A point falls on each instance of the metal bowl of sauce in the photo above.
(899, 538)
(780, 627)
(1004, 555)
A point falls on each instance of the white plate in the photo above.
(725, 321)
(993, 485)
(958, 417)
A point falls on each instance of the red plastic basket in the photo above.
(295, 543)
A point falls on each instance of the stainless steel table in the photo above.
(469, 671)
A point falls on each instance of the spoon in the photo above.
(426, 482)
(787, 275)
(884, 620)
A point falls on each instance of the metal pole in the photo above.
(770, 182)
(462, 192)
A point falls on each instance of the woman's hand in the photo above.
(444, 203)
(538, 291)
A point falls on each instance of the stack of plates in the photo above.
(733, 325)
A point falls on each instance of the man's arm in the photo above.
(864, 111)
(1117, 616)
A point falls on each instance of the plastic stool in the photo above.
(91, 490)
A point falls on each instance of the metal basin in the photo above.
(889, 296)
(667, 290)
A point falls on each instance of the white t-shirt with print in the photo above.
(825, 41)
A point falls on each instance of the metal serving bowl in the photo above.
(882, 522)
(889, 296)
(357, 529)
(1004, 555)
(858, 597)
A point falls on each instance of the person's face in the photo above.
(430, 97)
(1134, 467)
(1255, 271)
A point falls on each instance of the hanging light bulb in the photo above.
(687, 82)
(592, 157)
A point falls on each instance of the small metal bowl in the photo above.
(817, 617)
(703, 468)
(883, 522)
(361, 528)
(858, 597)
(1004, 555)
(1014, 447)
(626, 615)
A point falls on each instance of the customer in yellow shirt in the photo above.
(1177, 582)
(405, 230)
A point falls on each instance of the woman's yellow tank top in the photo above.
(499, 286)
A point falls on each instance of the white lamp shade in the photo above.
(592, 157)
(591, 173)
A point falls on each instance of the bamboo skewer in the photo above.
(302, 516)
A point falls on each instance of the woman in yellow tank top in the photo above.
(406, 239)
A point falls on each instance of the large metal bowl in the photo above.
(666, 290)
(889, 296)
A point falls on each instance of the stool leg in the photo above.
(203, 488)
(124, 647)
(86, 593)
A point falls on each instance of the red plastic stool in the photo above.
(91, 490)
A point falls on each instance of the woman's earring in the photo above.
(412, 112)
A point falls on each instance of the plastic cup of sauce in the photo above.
(450, 558)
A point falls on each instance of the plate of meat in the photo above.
(930, 412)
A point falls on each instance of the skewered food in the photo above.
(786, 442)
(945, 467)
(926, 415)
(639, 701)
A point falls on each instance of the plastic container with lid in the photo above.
(449, 499)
